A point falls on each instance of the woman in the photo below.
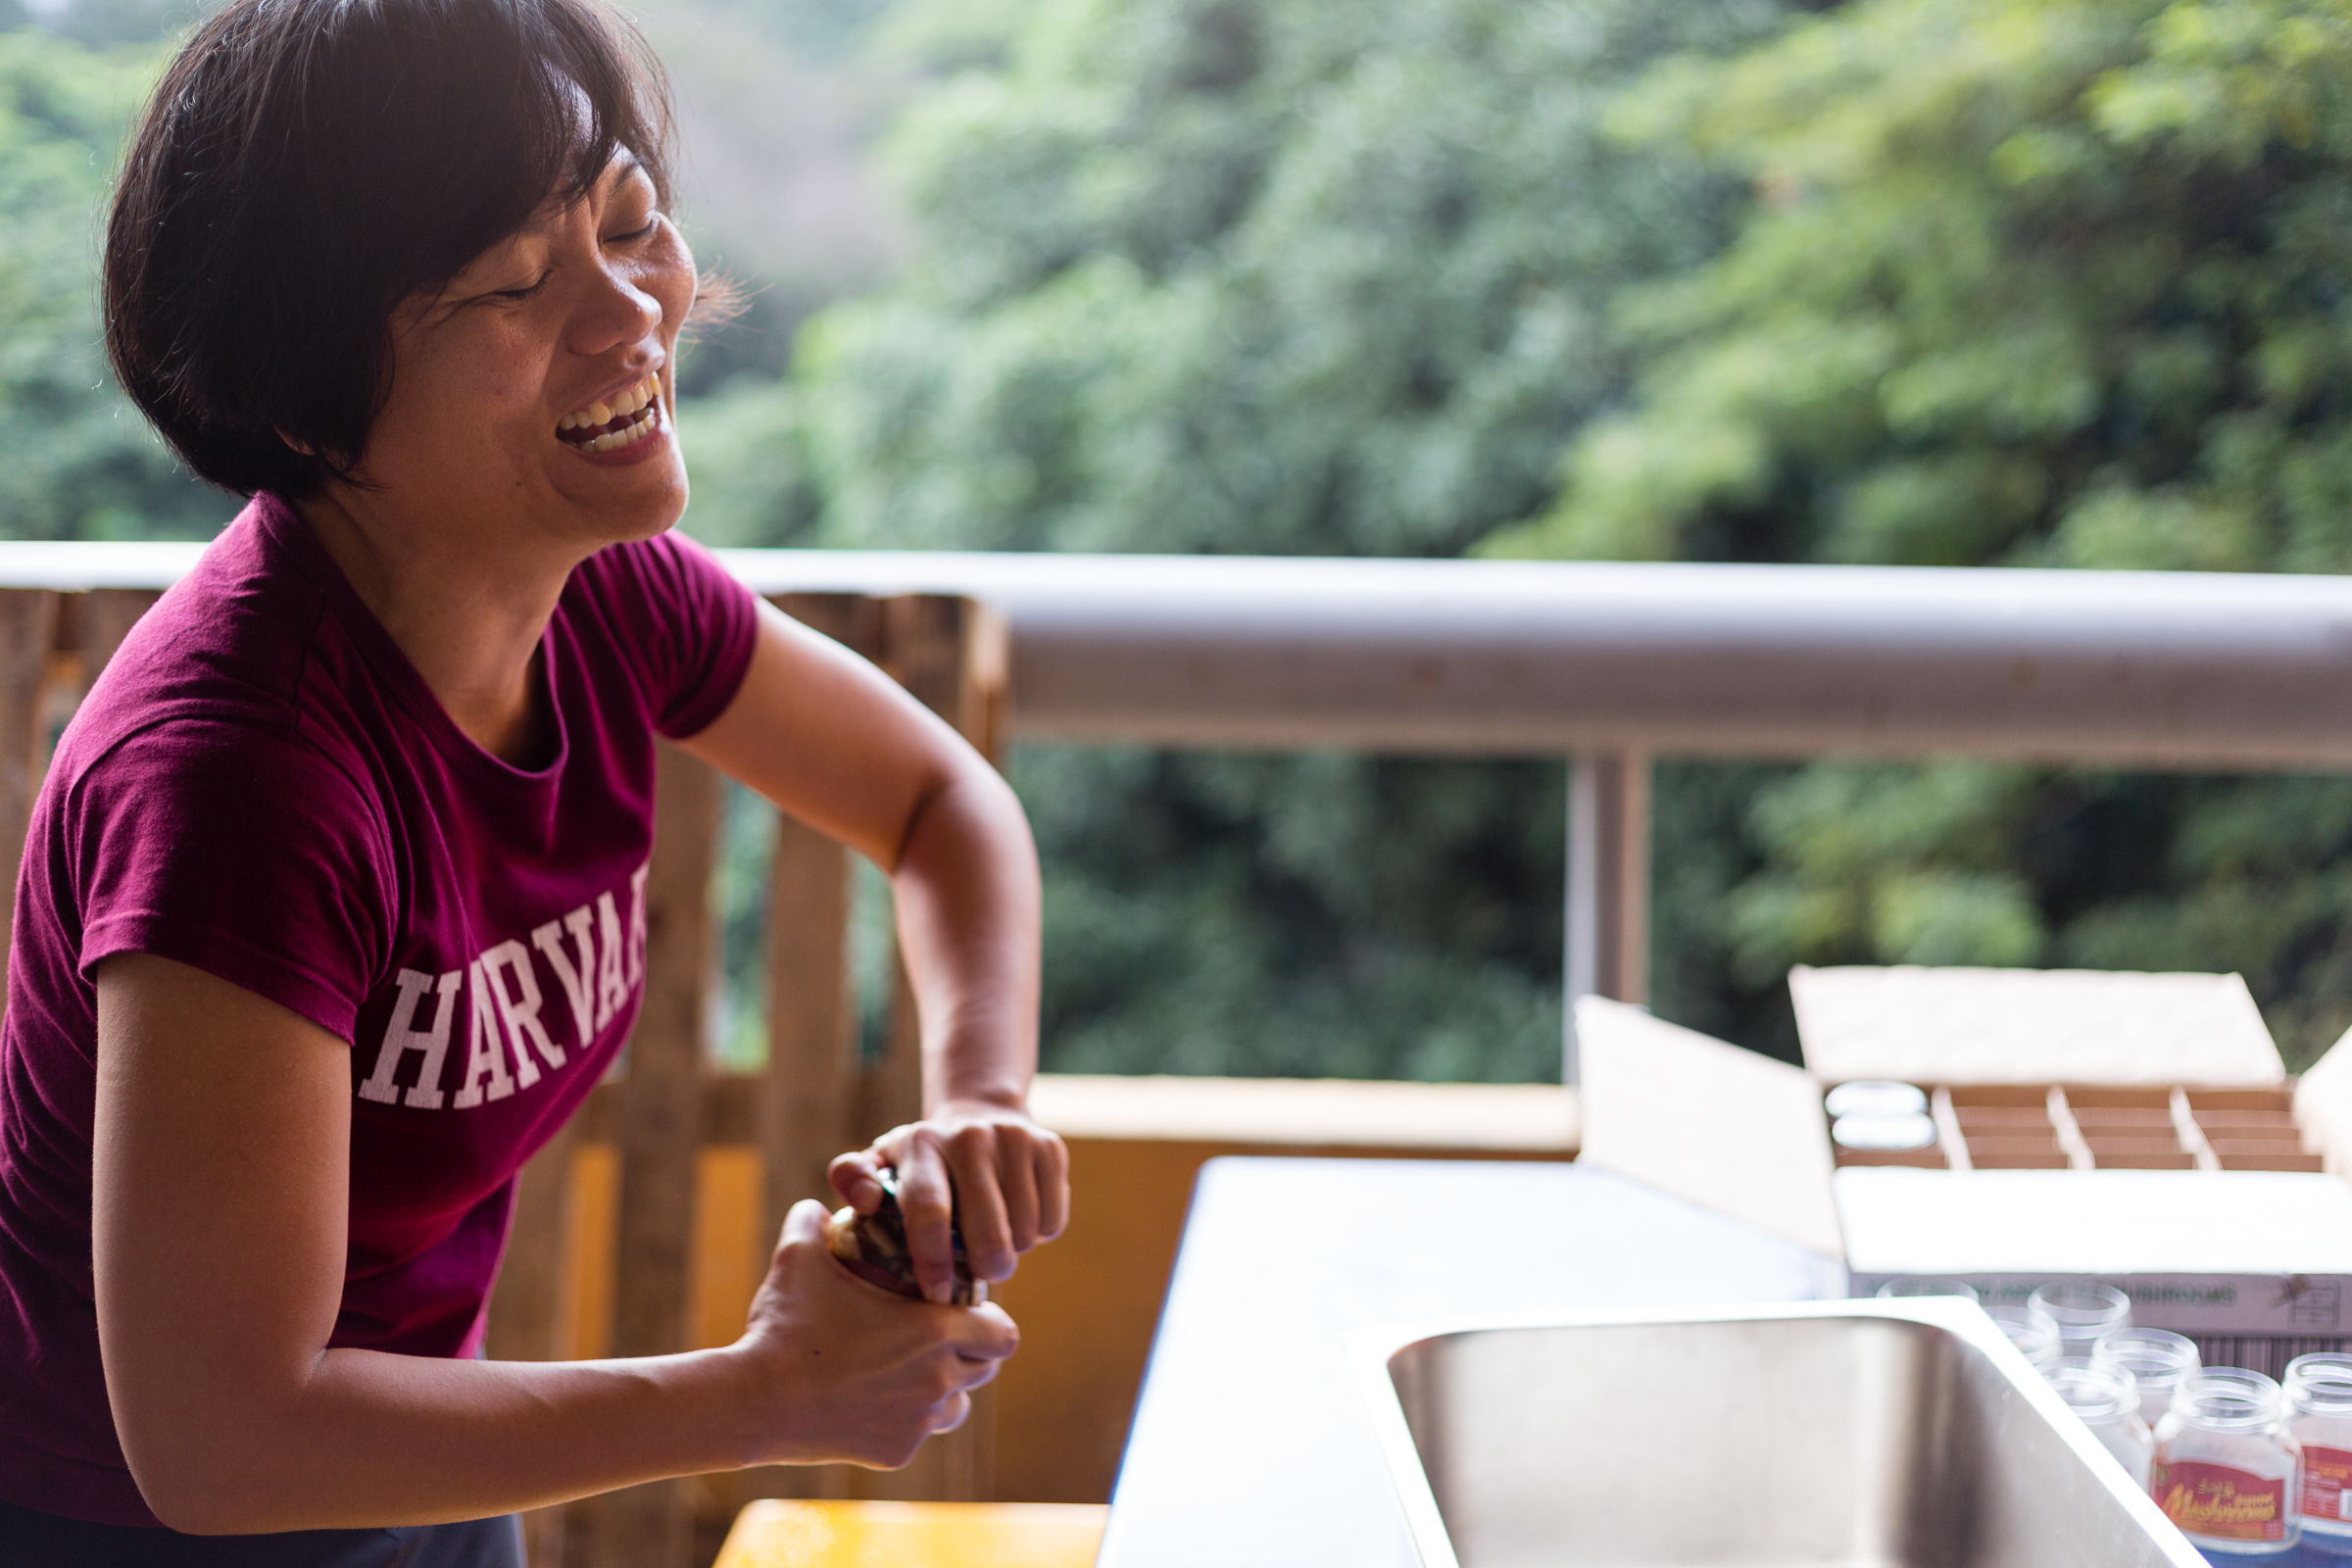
(331, 909)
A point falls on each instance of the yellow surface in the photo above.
(730, 1253)
(775, 1534)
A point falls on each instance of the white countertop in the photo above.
(1248, 1445)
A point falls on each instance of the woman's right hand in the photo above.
(841, 1370)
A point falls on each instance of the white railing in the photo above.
(1606, 664)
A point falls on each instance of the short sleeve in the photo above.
(237, 851)
(687, 626)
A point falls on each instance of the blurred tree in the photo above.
(2035, 283)
(84, 463)
(1264, 276)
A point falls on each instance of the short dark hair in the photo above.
(305, 165)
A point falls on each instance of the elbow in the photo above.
(199, 1487)
(188, 1512)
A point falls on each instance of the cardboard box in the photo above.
(2093, 1127)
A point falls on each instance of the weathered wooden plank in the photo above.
(808, 1094)
(657, 1130)
(807, 1106)
(951, 656)
(807, 1098)
(523, 1306)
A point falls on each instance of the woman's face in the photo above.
(535, 389)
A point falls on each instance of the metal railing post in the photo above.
(1607, 925)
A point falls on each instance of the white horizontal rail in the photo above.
(2147, 668)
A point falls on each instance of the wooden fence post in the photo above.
(953, 656)
(658, 1108)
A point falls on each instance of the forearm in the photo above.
(968, 911)
(372, 1439)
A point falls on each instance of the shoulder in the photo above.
(669, 573)
(680, 627)
(210, 784)
(232, 640)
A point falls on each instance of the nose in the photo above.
(613, 313)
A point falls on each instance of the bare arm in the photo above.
(838, 745)
(219, 1198)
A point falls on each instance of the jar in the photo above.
(1927, 1285)
(2318, 1395)
(1874, 1097)
(2032, 1334)
(2106, 1399)
(2082, 1314)
(2157, 1361)
(1884, 1134)
(2226, 1464)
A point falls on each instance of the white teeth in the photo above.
(625, 406)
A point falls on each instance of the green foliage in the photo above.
(1304, 915)
(1257, 276)
(83, 465)
(2026, 282)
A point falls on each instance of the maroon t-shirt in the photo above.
(261, 785)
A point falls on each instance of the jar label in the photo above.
(2221, 1502)
(2328, 1484)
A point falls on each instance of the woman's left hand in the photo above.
(984, 1166)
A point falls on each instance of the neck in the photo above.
(469, 617)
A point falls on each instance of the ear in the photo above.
(303, 447)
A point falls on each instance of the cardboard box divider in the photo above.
(2140, 1129)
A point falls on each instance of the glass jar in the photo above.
(1874, 1097)
(2032, 1334)
(2082, 1314)
(2226, 1464)
(2319, 1396)
(1884, 1134)
(2106, 1398)
(1927, 1285)
(2157, 1361)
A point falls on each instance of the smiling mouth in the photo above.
(609, 427)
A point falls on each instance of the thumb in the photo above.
(804, 1224)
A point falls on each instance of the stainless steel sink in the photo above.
(1830, 1434)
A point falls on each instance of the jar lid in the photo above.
(1874, 1097)
(1884, 1132)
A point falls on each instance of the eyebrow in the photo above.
(623, 162)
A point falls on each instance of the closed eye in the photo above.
(523, 293)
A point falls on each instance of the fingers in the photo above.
(857, 1177)
(1051, 1173)
(928, 1203)
(1015, 1161)
(985, 1333)
(971, 1155)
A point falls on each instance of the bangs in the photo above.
(521, 116)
